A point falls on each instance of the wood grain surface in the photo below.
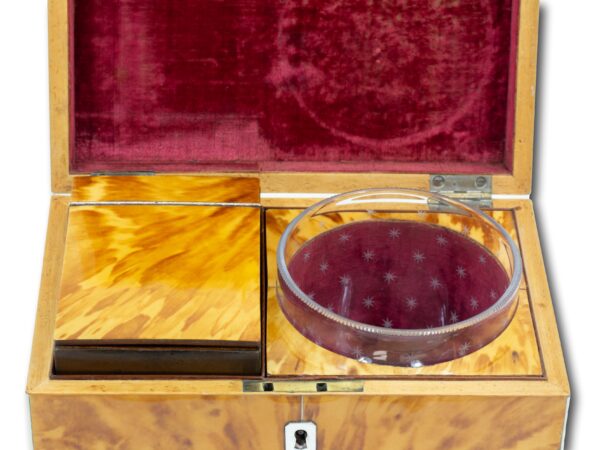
(160, 272)
(256, 422)
(513, 353)
(161, 422)
(170, 188)
(541, 299)
(437, 422)
(60, 112)
(41, 361)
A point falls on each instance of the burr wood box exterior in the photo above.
(186, 135)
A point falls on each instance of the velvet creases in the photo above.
(320, 85)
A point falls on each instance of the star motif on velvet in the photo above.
(461, 272)
(368, 302)
(453, 317)
(441, 240)
(411, 303)
(357, 352)
(345, 280)
(418, 257)
(344, 237)
(493, 294)
(435, 283)
(307, 330)
(387, 323)
(394, 233)
(324, 266)
(330, 307)
(482, 259)
(389, 277)
(474, 303)
(464, 348)
(306, 256)
(410, 356)
(368, 255)
(311, 295)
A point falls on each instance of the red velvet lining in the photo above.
(320, 85)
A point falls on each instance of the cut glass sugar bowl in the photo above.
(397, 277)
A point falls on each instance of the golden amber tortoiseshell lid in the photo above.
(169, 272)
(166, 188)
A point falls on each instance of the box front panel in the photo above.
(161, 422)
(256, 422)
(437, 423)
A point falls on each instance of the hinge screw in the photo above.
(480, 182)
(438, 181)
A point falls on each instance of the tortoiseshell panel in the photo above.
(514, 353)
(136, 272)
(172, 188)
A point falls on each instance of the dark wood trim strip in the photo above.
(156, 360)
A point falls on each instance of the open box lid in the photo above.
(339, 90)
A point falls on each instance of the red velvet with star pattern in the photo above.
(321, 85)
(399, 274)
(409, 289)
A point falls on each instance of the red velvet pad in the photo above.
(399, 274)
(324, 85)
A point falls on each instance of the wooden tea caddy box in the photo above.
(158, 325)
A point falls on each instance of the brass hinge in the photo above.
(474, 190)
(303, 387)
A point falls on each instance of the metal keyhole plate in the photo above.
(301, 436)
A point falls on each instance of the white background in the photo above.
(566, 183)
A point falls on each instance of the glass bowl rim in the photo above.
(501, 303)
